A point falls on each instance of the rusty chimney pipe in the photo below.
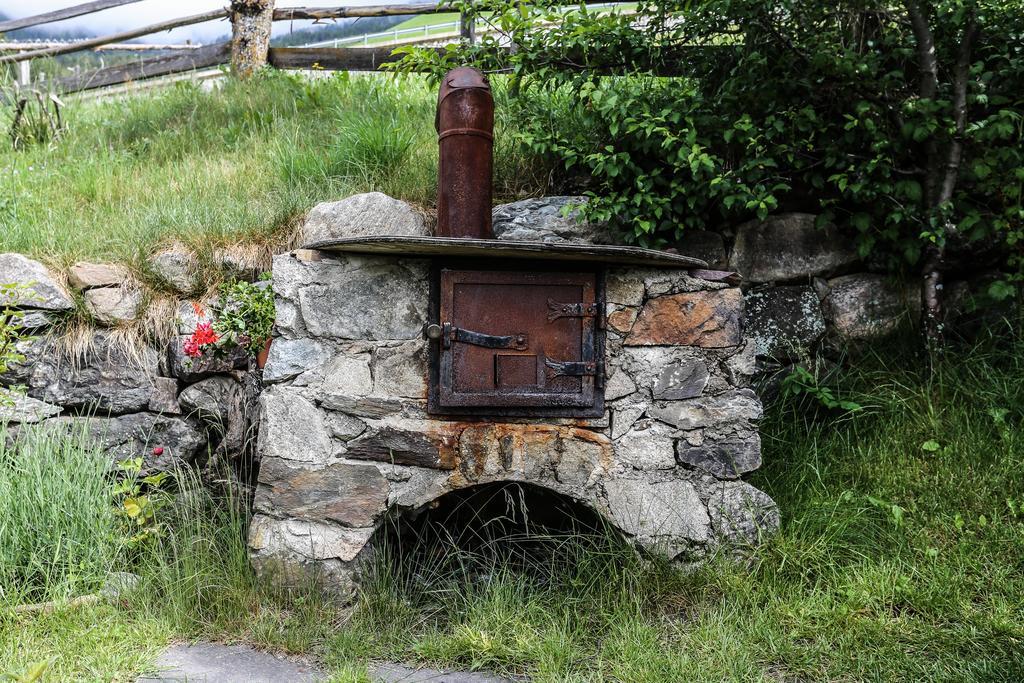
(465, 128)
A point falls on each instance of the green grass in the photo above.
(58, 530)
(900, 559)
(428, 20)
(239, 164)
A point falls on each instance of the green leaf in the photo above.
(930, 446)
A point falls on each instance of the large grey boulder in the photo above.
(112, 306)
(17, 408)
(868, 306)
(542, 220)
(385, 302)
(362, 215)
(162, 441)
(343, 493)
(291, 428)
(789, 247)
(211, 399)
(741, 514)
(663, 515)
(220, 403)
(176, 266)
(681, 380)
(710, 411)
(85, 275)
(725, 454)
(39, 288)
(165, 396)
(784, 322)
(106, 377)
(189, 369)
(33, 319)
(291, 357)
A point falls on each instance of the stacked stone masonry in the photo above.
(130, 400)
(345, 438)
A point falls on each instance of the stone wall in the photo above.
(346, 440)
(134, 399)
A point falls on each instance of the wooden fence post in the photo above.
(251, 21)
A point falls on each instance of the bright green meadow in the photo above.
(230, 163)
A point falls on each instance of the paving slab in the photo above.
(216, 663)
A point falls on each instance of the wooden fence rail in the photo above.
(61, 14)
(80, 45)
(24, 46)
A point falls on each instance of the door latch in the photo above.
(449, 334)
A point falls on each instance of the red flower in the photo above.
(203, 336)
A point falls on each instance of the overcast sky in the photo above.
(149, 12)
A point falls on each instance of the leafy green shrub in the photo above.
(903, 123)
(246, 316)
(58, 526)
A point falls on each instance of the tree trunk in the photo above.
(251, 21)
(942, 169)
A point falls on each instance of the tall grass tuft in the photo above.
(58, 529)
(197, 578)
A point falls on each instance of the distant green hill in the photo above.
(357, 27)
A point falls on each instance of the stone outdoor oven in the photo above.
(408, 366)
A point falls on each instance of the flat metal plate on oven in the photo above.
(501, 249)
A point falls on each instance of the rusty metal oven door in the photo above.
(519, 340)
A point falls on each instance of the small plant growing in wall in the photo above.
(11, 332)
(137, 501)
(243, 319)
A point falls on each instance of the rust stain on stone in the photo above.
(491, 452)
(445, 435)
(706, 319)
(622, 320)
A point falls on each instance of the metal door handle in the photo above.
(450, 333)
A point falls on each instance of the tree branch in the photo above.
(929, 65)
(928, 88)
(961, 75)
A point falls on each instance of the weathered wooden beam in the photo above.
(61, 14)
(320, 13)
(205, 57)
(22, 46)
(331, 58)
(116, 37)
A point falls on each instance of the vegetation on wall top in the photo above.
(901, 122)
